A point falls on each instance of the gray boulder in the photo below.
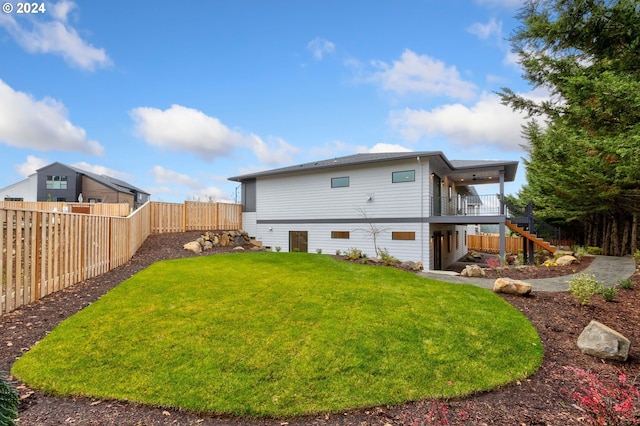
(603, 342)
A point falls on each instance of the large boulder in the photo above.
(193, 246)
(412, 266)
(603, 342)
(473, 271)
(511, 286)
(566, 260)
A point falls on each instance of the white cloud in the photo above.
(493, 28)
(277, 152)
(56, 36)
(384, 147)
(424, 75)
(186, 129)
(320, 47)
(31, 165)
(42, 125)
(163, 175)
(102, 170)
(177, 184)
(485, 122)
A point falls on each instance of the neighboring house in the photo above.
(417, 204)
(59, 182)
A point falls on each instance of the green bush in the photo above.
(609, 293)
(278, 248)
(386, 258)
(8, 403)
(583, 287)
(319, 250)
(353, 254)
(626, 283)
(636, 255)
(579, 252)
(594, 250)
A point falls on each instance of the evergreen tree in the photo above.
(584, 164)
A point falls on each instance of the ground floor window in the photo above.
(340, 234)
(403, 235)
(13, 199)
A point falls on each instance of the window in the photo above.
(405, 176)
(457, 240)
(403, 235)
(13, 199)
(340, 182)
(448, 241)
(340, 234)
(56, 182)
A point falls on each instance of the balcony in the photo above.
(466, 205)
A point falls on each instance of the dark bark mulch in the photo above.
(542, 399)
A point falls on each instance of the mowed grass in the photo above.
(283, 334)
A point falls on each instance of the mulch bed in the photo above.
(543, 399)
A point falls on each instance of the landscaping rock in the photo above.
(473, 271)
(193, 246)
(603, 342)
(511, 286)
(239, 248)
(412, 266)
(566, 260)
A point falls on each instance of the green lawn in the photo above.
(280, 334)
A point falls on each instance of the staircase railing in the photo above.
(533, 224)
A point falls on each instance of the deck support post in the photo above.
(503, 238)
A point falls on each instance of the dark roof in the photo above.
(356, 159)
(108, 181)
(349, 160)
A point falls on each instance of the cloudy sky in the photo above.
(176, 96)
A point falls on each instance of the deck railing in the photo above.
(466, 205)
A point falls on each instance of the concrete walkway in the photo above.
(607, 270)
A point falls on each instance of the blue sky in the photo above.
(177, 96)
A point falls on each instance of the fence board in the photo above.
(44, 251)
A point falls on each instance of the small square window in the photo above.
(404, 176)
(340, 182)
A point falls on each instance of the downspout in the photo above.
(421, 212)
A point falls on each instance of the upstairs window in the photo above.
(56, 182)
(404, 176)
(340, 182)
(340, 234)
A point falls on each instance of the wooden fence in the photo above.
(101, 209)
(47, 251)
(489, 243)
(194, 216)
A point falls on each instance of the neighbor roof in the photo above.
(108, 181)
(356, 159)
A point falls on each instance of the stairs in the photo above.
(532, 237)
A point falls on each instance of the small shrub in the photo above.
(609, 293)
(338, 252)
(8, 402)
(626, 283)
(319, 250)
(353, 253)
(594, 250)
(550, 262)
(579, 252)
(583, 287)
(636, 255)
(387, 259)
(613, 403)
(278, 248)
(493, 262)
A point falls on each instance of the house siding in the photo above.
(92, 189)
(307, 202)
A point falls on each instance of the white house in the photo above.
(418, 205)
